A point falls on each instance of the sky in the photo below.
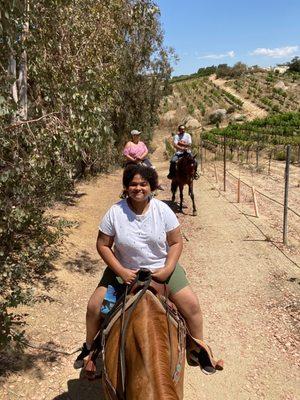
(212, 32)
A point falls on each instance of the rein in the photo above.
(143, 275)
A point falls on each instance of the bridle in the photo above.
(143, 275)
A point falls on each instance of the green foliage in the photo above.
(201, 108)
(96, 69)
(273, 131)
(280, 155)
(169, 149)
(294, 65)
(191, 109)
(206, 71)
(224, 71)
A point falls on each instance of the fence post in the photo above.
(216, 175)
(201, 154)
(255, 202)
(270, 159)
(239, 190)
(286, 193)
(224, 162)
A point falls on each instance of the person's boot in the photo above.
(172, 170)
(79, 362)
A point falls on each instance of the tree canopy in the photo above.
(86, 72)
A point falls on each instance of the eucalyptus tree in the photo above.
(94, 70)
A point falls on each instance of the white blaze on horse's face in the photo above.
(139, 189)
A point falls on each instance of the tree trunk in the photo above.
(22, 81)
(12, 71)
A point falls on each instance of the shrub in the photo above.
(280, 155)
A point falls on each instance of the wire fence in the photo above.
(239, 190)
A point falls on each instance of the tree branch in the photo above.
(8, 128)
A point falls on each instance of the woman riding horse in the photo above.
(136, 151)
(146, 234)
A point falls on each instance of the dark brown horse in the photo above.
(185, 172)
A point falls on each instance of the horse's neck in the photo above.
(148, 354)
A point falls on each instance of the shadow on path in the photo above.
(82, 389)
(15, 361)
(83, 264)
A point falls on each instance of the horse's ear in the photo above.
(195, 156)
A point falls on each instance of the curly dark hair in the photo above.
(149, 174)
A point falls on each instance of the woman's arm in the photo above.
(145, 153)
(175, 243)
(126, 152)
(104, 247)
(179, 146)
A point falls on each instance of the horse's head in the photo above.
(187, 164)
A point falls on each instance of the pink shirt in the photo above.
(135, 150)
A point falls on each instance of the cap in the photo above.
(135, 132)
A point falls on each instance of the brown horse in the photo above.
(154, 355)
(185, 172)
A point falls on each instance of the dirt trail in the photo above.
(251, 110)
(238, 276)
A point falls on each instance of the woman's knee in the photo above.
(193, 305)
(187, 302)
(95, 302)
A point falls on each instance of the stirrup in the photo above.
(79, 362)
(200, 354)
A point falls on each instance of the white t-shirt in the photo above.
(185, 137)
(140, 240)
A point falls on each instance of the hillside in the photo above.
(252, 95)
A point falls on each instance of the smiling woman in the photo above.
(141, 232)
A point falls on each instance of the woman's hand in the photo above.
(128, 275)
(161, 274)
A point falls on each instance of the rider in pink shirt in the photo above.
(136, 151)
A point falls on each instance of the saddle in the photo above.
(122, 311)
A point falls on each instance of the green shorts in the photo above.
(176, 281)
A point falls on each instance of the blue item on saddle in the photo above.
(109, 300)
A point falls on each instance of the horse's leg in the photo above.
(181, 196)
(191, 193)
(173, 190)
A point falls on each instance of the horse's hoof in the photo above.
(194, 213)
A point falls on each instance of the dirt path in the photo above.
(250, 109)
(242, 282)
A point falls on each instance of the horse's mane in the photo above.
(159, 351)
(148, 367)
(186, 164)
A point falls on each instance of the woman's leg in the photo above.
(188, 305)
(148, 163)
(93, 314)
